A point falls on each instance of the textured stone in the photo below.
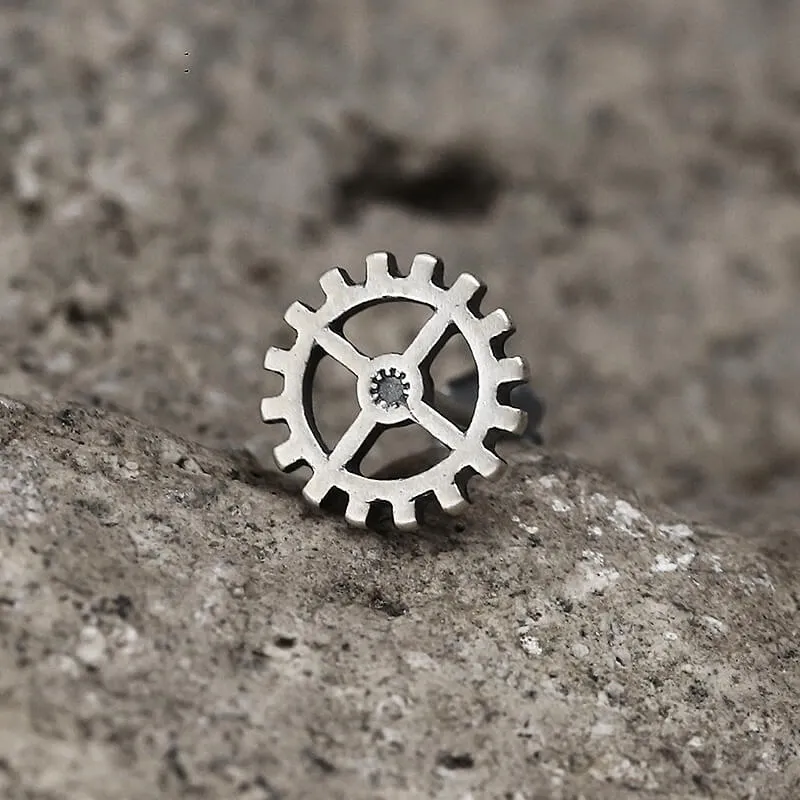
(172, 632)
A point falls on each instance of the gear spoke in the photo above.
(430, 336)
(437, 425)
(338, 348)
(360, 435)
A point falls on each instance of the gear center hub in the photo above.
(388, 388)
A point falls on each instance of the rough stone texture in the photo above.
(626, 177)
(174, 624)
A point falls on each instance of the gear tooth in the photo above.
(277, 360)
(404, 514)
(510, 419)
(286, 455)
(298, 315)
(512, 370)
(467, 288)
(334, 280)
(427, 268)
(356, 513)
(488, 465)
(380, 268)
(450, 498)
(315, 489)
(496, 324)
(273, 409)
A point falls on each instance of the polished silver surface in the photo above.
(395, 389)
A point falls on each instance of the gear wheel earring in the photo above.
(395, 389)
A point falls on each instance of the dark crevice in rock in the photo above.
(389, 606)
(454, 761)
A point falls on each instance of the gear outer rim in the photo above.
(453, 471)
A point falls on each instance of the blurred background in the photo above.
(624, 175)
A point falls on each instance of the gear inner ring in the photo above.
(386, 400)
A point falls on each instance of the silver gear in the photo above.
(395, 389)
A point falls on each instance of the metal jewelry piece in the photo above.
(395, 389)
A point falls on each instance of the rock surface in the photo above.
(173, 623)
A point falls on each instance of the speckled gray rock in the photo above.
(174, 623)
